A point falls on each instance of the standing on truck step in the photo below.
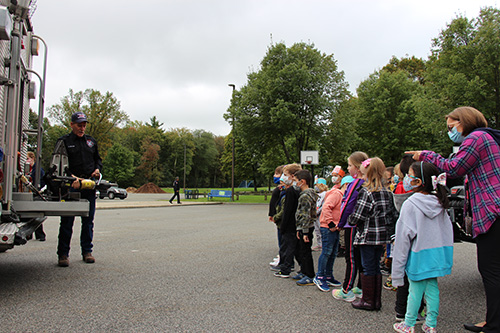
(84, 163)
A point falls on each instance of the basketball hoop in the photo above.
(309, 162)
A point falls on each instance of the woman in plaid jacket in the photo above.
(374, 217)
(479, 159)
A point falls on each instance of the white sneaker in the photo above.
(275, 261)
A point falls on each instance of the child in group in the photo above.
(273, 203)
(374, 217)
(337, 175)
(343, 186)
(352, 257)
(329, 219)
(321, 188)
(287, 227)
(305, 217)
(401, 194)
(404, 166)
(424, 243)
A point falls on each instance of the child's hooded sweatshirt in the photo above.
(424, 240)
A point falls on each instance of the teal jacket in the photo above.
(424, 240)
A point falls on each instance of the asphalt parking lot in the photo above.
(193, 268)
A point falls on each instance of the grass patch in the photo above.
(244, 196)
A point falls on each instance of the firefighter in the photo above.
(84, 163)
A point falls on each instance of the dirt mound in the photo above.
(131, 189)
(149, 188)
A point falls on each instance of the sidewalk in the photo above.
(139, 200)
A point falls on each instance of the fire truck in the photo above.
(25, 205)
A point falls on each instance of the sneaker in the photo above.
(332, 282)
(321, 284)
(428, 329)
(305, 281)
(358, 293)
(63, 261)
(88, 258)
(275, 261)
(316, 248)
(340, 294)
(298, 276)
(388, 285)
(403, 328)
(420, 318)
(275, 268)
(281, 274)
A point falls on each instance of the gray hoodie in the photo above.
(424, 240)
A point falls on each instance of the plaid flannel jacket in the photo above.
(479, 158)
(374, 217)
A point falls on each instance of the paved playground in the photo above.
(193, 268)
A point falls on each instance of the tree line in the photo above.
(297, 100)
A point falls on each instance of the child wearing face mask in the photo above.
(424, 243)
(321, 188)
(374, 217)
(329, 219)
(305, 217)
(337, 175)
(287, 227)
(348, 292)
(273, 204)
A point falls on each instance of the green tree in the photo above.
(387, 118)
(464, 68)
(154, 122)
(119, 165)
(204, 159)
(288, 102)
(150, 167)
(178, 143)
(103, 112)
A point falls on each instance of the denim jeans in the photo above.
(370, 259)
(329, 250)
(87, 232)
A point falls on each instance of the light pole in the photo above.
(232, 130)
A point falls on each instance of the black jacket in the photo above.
(83, 154)
(275, 198)
(291, 202)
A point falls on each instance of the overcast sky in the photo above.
(175, 59)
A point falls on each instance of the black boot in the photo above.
(367, 302)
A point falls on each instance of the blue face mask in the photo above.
(396, 179)
(455, 135)
(407, 183)
(276, 180)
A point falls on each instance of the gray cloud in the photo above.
(174, 59)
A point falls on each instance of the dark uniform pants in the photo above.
(87, 233)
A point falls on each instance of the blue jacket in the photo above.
(424, 240)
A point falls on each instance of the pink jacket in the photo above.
(331, 208)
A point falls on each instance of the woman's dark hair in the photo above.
(430, 170)
(405, 163)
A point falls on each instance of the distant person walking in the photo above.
(176, 191)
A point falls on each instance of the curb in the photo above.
(148, 204)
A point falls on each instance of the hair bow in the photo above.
(441, 180)
(366, 163)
